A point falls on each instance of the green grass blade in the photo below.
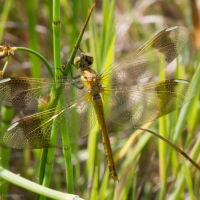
(183, 114)
(29, 185)
(188, 176)
(4, 16)
(33, 41)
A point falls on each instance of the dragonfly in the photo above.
(88, 98)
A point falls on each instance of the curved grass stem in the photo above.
(173, 146)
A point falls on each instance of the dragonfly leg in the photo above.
(79, 87)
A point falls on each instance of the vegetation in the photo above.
(148, 168)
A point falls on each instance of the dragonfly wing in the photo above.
(148, 60)
(30, 132)
(35, 131)
(144, 103)
(24, 92)
(31, 93)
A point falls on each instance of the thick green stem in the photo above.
(39, 56)
(48, 155)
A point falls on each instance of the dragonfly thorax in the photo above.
(92, 82)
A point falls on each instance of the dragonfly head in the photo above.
(83, 61)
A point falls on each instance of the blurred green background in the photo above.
(148, 168)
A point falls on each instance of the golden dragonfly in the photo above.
(115, 90)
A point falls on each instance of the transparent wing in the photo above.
(35, 131)
(29, 93)
(148, 60)
(144, 103)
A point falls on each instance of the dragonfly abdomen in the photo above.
(98, 106)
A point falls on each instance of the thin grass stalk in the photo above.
(162, 148)
(195, 116)
(43, 161)
(126, 191)
(188, 176)
(31, 9)
(163, 189)
(73, 24)
(172, 154)
(107, 24)
(104, 185)
(83, 6)
(180, 183)
(77, 44)
(4, 16)
(183, 114)
(95, 185)
(50, 20)
(130, 160)
(181, 179)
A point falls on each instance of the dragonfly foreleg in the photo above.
(79, 87)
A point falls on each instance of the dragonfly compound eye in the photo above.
(89, 58)
(77, 62)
